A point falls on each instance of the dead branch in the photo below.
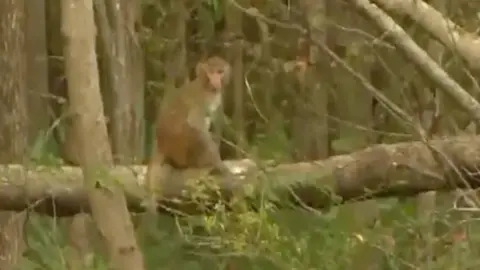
(401, 169)
(439, 26)
(419, 57)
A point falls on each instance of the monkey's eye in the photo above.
(220, 71)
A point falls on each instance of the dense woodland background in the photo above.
(335, 82)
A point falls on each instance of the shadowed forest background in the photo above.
(353, 122)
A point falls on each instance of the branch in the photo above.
(419, 57)
(401, 169)
(440, 27)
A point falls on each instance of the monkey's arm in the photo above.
(217, 125)
(196, 120)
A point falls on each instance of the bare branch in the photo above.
(440, 27)
(418, 56)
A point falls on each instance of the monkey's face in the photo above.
(217, 72)
(216, 78)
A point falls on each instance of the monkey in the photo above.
(183, 121)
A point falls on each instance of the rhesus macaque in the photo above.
(183, 139)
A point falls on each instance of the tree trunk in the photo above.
(135, 62)
(106, 200)
(310, 122)
(234, 18)
(122, 93)
(176, 68)
(37, 75)
(81, 249)
(13, 120)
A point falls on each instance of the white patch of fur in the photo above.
(208, 122)
(217, 100)
(214, 104)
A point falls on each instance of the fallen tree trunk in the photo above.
(402, 169)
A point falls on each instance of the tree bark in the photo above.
(310, 121)
(105, 199)
(115, 40)
(13, 120)
(37, 74)
(64, 131)
(403, 169)
(234, 17)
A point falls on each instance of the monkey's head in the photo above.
(214, 72)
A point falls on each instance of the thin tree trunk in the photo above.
(234, 17)
(310, 122)
(106, 200)
(37, 74)
(13, 120)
